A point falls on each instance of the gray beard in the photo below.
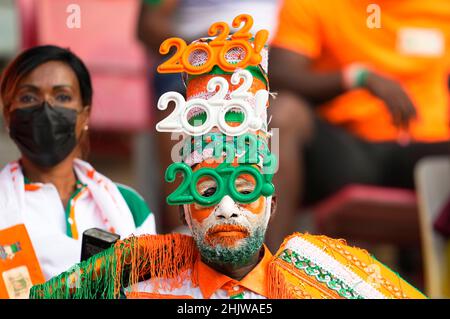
(237, 257)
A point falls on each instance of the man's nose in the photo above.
(227, 208)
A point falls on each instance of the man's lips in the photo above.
(227, 230)
(226, 235)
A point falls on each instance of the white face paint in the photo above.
(228, 224)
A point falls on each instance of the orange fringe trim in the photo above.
(147, 295)
(165, 258)
(279, 286)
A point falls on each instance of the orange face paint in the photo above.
(226, 235)
(256, 207)
(200, 213)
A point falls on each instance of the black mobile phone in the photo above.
(96, 240)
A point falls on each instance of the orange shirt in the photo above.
(210, 280)
(411, 46)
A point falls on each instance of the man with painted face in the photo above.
(226, 197)
(230, 237)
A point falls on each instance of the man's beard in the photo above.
(236, 256)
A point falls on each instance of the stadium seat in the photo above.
(432, 176)
(375, 215)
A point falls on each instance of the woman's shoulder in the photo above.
(136, 203)
(131, 195)
(8, 177)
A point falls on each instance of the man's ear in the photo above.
(273, 207)
(182, 214)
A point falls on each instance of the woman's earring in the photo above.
(86, 127)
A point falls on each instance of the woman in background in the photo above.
(50, 195)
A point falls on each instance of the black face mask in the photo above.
(44, 134)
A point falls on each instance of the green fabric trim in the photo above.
(319, 274)
(116, 270)
(361, 78)
(254, 70)
(15, 247)
(91, 285)
(152, 2)
(136, 204)
(80, 187)
(238, 296)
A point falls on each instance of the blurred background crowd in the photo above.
(367, 160)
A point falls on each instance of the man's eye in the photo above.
(209, 192)
(245, 192)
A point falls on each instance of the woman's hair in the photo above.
(30, 59)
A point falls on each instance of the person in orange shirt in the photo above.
(367, 84)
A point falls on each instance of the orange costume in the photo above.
(305, 267)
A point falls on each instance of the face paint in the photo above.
(236, 256)
(229, 232)
(246, 183)
(207, 186)
(256, 206)
(225, 235)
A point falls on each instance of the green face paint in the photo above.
(236, 256)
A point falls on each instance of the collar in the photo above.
(32, 186)
(210, 280)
